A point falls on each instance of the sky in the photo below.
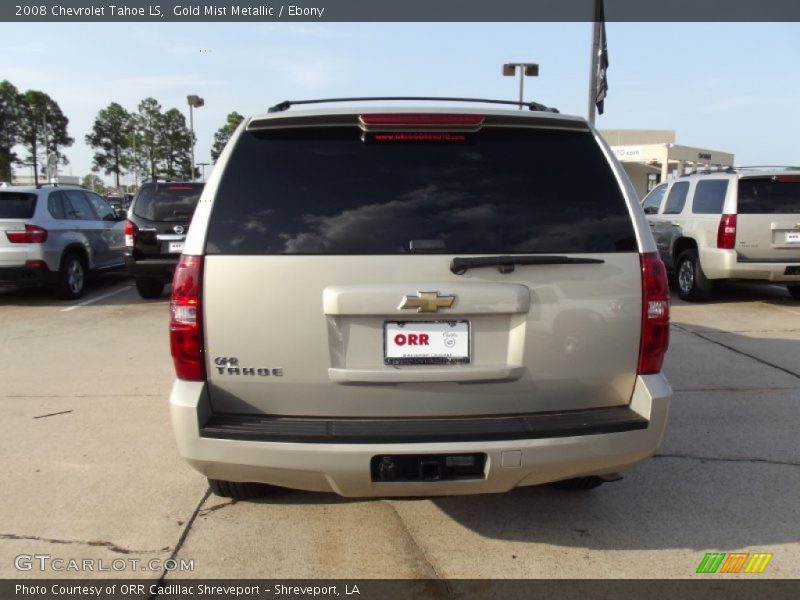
(731, 87)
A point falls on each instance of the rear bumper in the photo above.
(724, 264)
(157, 268)
(25, 276)
(344, 468)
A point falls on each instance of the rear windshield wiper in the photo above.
(506, 264)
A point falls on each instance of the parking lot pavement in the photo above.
(85, 441)
(92, 471)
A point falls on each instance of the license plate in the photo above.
(175, 247)
(425, 342)
(793, 237)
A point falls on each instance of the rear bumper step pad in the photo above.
(266, 428)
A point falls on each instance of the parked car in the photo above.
(56, 235)
(118, 203)
(735, 224)
(427, 301)
(158, 219)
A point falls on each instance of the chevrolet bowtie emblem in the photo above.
(427, 302)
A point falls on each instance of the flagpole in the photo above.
(595, 58)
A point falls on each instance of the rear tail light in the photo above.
(185, 324)
(32, 234)
(726, 232)
(655, 314)
(130, 231)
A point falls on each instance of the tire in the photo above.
(71, 278)
(794, 290)
(237, 490)
(149, 287)
(579, 483)
(692, 283)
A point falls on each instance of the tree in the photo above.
(111, 138)
(10, 127)
(176, 145)
(147, 123)
(224, 133)
(93, 182)
(43, 127)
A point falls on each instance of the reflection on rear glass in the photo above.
(508, 191)
(14, 205)
(167, 202)
(768, 196)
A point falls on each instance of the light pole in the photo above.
(194, 101)
(525, 70)
(203, 170)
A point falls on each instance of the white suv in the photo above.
(735, 224)
(390, 302)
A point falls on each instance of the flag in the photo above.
(601, 59)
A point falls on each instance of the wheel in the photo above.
(237, 490)
(579, 483)
(149, 287)
(692, 283)
(794, 290)
(71, 278)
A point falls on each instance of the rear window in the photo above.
(167, 201)
(769, 195)
(709, 197)
(500, 191)
(16, 205)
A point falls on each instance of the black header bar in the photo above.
(397, 11)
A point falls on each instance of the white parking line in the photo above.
(86, 302)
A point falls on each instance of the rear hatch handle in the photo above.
(506, 264)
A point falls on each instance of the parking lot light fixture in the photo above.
(194, 101)
(525, 70)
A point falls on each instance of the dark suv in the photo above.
(158, 220)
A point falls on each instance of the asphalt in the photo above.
(91, 470)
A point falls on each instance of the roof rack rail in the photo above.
(709, 171)
(286, 104)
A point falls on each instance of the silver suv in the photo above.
(736, 224)
(55, 235)
(390, 302)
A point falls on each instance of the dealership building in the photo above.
(651, 156)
